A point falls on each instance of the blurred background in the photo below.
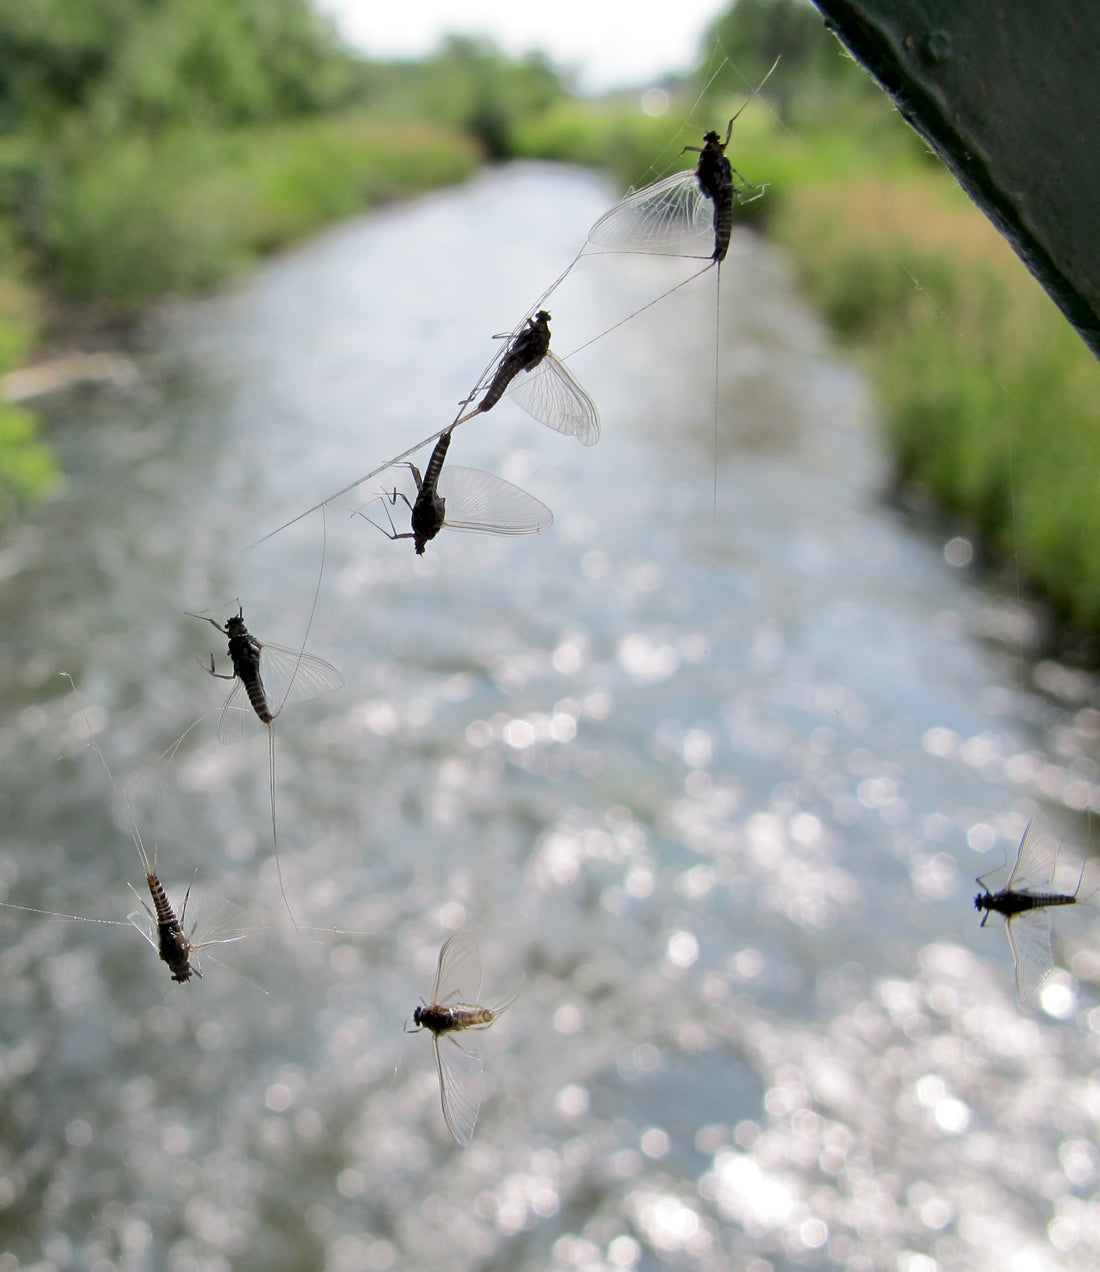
(707, 767)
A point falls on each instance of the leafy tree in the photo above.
(814, 71)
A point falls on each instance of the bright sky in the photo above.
(609, 43)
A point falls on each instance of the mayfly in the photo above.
(454, 1009)
(539, 381)
(268, 677)
(1026, 906)
(160, 925)
(684, 213)
(464, 499)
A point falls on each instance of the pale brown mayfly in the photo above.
(453, 1010)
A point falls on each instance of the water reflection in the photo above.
(711, 781)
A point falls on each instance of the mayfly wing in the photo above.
(552, 396)
(292, 676)
(1029, 939)
(211, 921)
(458, 976)
(1036, 859)
(461, 1084)
(672, 217)
(146, 926)
(288, 676)
(215, 921)
(481, 501)
(237, 716)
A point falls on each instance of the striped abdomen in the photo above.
(244, 650)
(527, 351)
(172, 943)
(435, 465)
(723, 221)
(429, 509)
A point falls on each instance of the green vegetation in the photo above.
(155, 148)
(144, 219)
(27, 469)
(990, 396)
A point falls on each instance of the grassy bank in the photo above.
(27, 468)
(990, 399)
(180, 214)
(142, 218)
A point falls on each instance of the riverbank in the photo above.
(145, 218)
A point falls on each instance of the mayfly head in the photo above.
(234, 625)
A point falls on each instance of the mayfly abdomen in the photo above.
(465, 1017)
(435, 464)
(723, 215)
(172, 943)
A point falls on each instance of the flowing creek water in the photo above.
(708, 768)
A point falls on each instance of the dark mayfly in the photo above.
(268, 677)
(684, 213)
(538, 380)
(160, 926)
(464, 499)
(1025, 907)
(454, 1009)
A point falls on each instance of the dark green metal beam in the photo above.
(1007, 92)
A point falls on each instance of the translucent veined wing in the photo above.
(460, 1084)
(145, 925)
(481, 501)
(1029, 939)
(237, 716)
(1036, 859)
(458, 976)
(211, 921)
(288, 675)
(554, 398)
(671, 217)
